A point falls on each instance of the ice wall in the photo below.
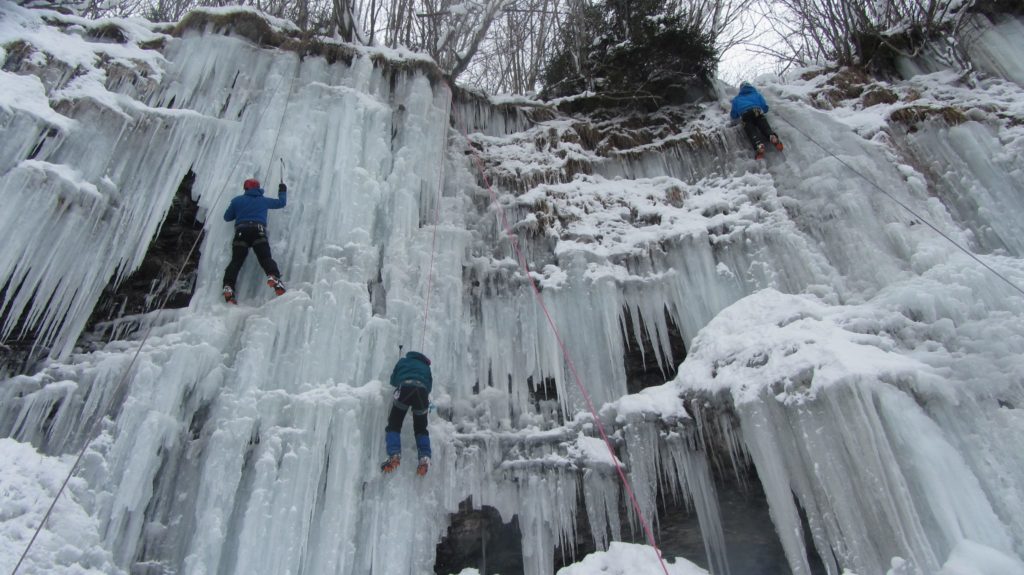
(992, 43)
(246, 439)
(857, 417)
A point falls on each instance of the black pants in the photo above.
(249, 236)
(407, 396)
(757, 128)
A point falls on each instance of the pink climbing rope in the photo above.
(565, 353)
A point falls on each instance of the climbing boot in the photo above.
(423, 466)
(776, 142)
(391, 463)
(276, 283)
(229, 295)
(759, 155)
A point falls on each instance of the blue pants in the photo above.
(407, 396)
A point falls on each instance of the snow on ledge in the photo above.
(799, 344)
(280, 24)
(27, 94)
(629, 559)
(67, 174)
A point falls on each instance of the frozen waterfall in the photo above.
(835, 351)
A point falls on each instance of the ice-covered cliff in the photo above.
(842, 356)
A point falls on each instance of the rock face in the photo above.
(478, 539)
(165, 279)
(643, 370)
(20, 352)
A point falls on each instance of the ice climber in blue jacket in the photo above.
(412, 382)
(750, 107)
(249, 212)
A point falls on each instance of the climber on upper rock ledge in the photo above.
(750, 107)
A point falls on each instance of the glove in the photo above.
(281, 188)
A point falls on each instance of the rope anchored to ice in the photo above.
(521, 258)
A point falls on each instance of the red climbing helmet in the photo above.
(250, 184)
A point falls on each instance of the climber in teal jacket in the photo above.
(750, 107)
(412, 381)
(249, 212)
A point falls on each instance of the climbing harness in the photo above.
(904, 206)
(565, 353)
(149, 329)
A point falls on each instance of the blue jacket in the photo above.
(414, 366)
(252, 206)
(748, 98)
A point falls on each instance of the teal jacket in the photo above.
(414, 367)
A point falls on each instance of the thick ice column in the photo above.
(587, 316)
(602, 491)
(884, 481)
(991, 46)
(147, 426)
(692, 473)
(766, 452)
(547, 516)
(986, 436)
(225, 460)
(977, 178)
(304, 488)
(39, 400)
(659, 459)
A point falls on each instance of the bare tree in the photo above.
(500, 45)
(512, 55)
(837, 30)
(727, 20)
(468, 33)
(344, 16)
